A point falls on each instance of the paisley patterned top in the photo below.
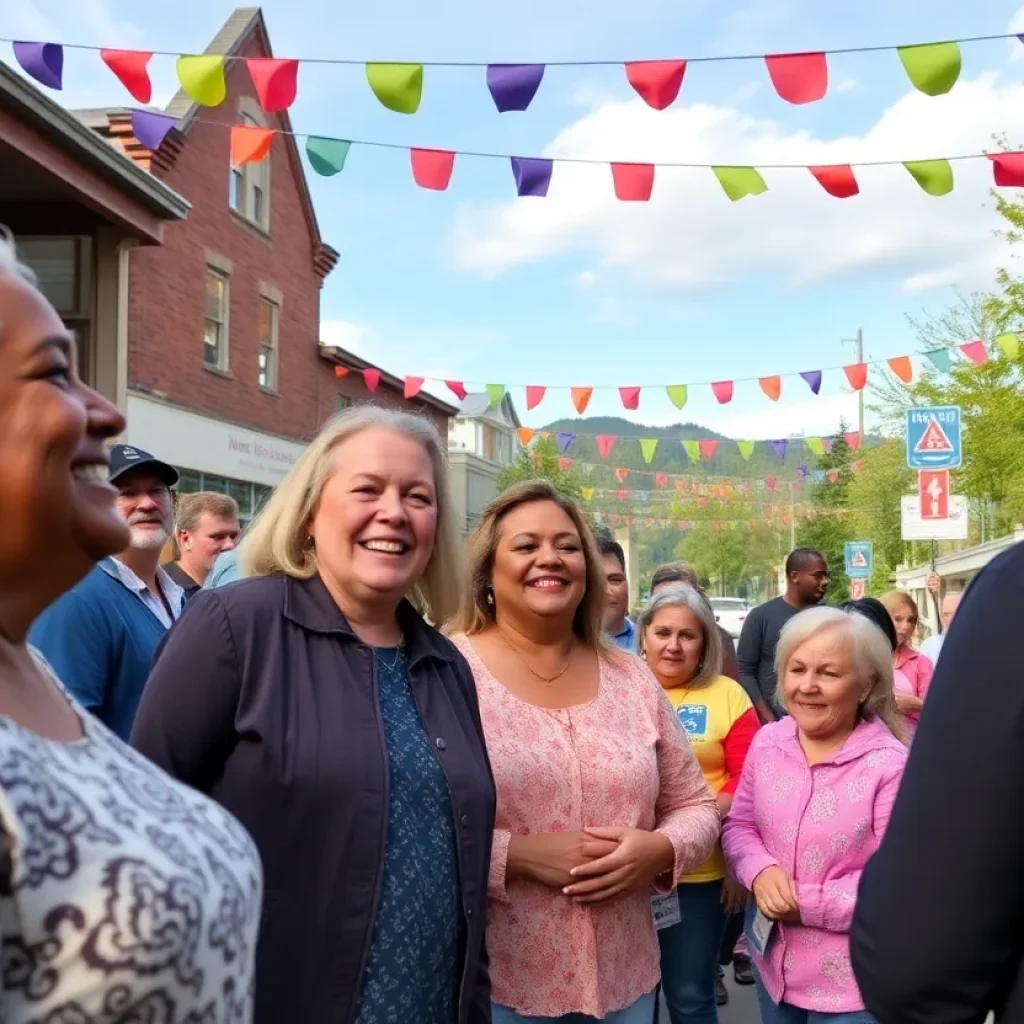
(412, 976)
(124, 896)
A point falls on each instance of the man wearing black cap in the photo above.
(102, 634)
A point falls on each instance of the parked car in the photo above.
(730, 614)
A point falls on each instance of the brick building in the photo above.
(226, 375)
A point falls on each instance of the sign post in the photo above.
(859, 556)
(933, 437)
(933, 493)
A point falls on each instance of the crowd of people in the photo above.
(329, 774)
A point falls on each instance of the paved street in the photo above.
(741, 1009)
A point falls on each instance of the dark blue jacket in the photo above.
(264, 698)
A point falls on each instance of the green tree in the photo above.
(542, 460)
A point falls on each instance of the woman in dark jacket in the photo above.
(314, 702)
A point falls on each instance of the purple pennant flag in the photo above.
(779, 448)
(150, 128)
(803, 472)
(43, 61)
(827, 442)
(813, 378)
(513, 86)
(564, 440)
(532, 174)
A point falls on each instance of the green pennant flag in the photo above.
(692, 450)
(327, 156)
(939, 358)
(495, 393)
(1009, 345)
(648, 446)
(677, 394)
(934, 176)
(932, 68)
(399, 87)
(746, 448)
(738, 182)
(816, 445)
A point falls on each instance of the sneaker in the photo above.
(742, 970)
(721, 992)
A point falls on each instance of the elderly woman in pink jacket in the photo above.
(813, 802)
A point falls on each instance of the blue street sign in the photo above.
(859, 559)
(933, 437)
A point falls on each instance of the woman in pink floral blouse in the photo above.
(599, 795)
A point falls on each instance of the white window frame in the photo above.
(222, 274)
(247, 182)
(272, 297)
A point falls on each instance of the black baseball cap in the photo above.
(125, 458)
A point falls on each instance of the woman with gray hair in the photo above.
(812, 806)
(678, 638)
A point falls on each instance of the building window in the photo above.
(488, 442)
(250, 497)
(249, 185)
(215, 324)
(343, 402)
(57, 263)
(269, 318)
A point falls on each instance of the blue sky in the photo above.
(580, 289)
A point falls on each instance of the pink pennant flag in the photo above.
(633, 182)
(661, 479)
(852, 439)
(412, 387)
(457, 388)
(276, 81)
(371, 378)
(534, 396)
(798, 77)
(723, 391)
(837, 180)
(975, 351)
(622, 495)
(432, 168)
(707, 450)
(656, 81)
(1007, 169)
(605, 444)
(131, 68)
(630, 398)
(564, 464)
(771, 482)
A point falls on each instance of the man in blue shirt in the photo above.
(101, 635)
(617, 623)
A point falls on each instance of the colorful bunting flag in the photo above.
(677, 394)
(534, 395)
(816, 445)
(939, 358)
(42, 61)
(276, 81)
(605, 444)
(630, 398)
(513, 86)
(798, 77)
(564, 440)
(532, 175)
(564, 464)
(327, 156)
(622, 495)
(202, 78)
(588, 493)
(648, 446)
(661, 479)
(771, 386)
(249, 144)
(1009, 345)
(779, 447)
(722, 391)
(621, 473)
(771, 483)
(399, 87)
(457, 388)
(495, 393)
(976, 352)
(852, 439)
(432, 168)
(525, 435)
(934, 176)
(857, 375)
(933, 68)
(413, 386)
(371, 378)
(633, 182)
(657, 82)
(902, 367)
(132, 70)
(692, 450)
(837, 180)
(1007, 169)
(150, 129)
(746, 449)
(581, 398)
(707, 449)
(738, 182)
(340, 371)
(813, 380)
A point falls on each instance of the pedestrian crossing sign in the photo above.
(933, 438)
(859, 556)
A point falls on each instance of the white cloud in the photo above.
(1016, 24)
(691, 237)
(812, 417)
(847, 84)
(586, 279)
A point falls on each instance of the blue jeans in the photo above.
(641, 1012)
(784, 1013)
(690, 952)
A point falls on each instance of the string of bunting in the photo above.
(975, 353)
(655, 522)
(798, 78)
(667, 498)
(632, 181)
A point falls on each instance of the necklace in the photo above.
(546, 679)
(398, 655)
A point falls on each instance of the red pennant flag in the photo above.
(723, 391)
(771, 386)
(771, 483)
(833, 475)
(581, 398)
(131, 67)
(857, 375)
(534, 396)
(457, 388)
(717, 524)
(622, 495)
(633, 182)
(372, 378)
(276, 81)
(249, 144)
(564, 464)
(605, 444)
(661, 479)
(837, 180)
(340, 371)
(412, 387)
(621, 473)
(976, 352)
(707, 449)
(1008, 169)
(630, 398)
(852, 439)
(902, 367)
(432, 168)
(702, 503)
(657, 81)
(798, 77)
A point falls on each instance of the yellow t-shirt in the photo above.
(707, 715)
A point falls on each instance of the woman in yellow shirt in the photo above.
(678, 638)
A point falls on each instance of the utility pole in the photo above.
(858, 342)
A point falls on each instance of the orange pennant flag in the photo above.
(857, 375)
(581, 398)
(902, 367)
(249, 144)
(525, 435)
(621, 473)
(771, 386)
(340, 371)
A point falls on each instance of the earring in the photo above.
(490, 596)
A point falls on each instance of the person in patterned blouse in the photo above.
(123, 894)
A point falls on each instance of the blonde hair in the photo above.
(476, 614)
(682, 595)
(872, 654)
(278, 539)
(191, 507)
(896, 599)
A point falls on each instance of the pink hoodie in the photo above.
(821, 825)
